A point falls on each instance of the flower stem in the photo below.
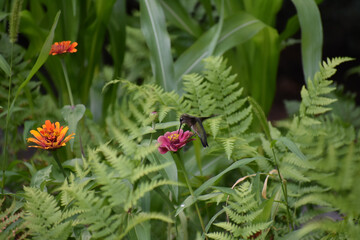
(57, 159)
(180, 163)
(284, 191)
(67, 81)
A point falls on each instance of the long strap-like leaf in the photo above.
(311, 36)
(157, 38)
(236, 29)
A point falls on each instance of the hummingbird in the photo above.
(196, 125)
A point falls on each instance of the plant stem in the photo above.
(67, 82)
(180, 163)
(8, 115)
(57, 159)
(284, 190)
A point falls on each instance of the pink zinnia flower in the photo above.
(173, 141)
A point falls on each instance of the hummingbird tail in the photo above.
(204, 143)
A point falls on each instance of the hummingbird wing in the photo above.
(198, 128)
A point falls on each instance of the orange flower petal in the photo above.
(37, 135)
(51, 136)
(57, 124)
(71, 136)
(63, 47)
(62, 134)
(48, 124)
(35, 146)
(35, 141)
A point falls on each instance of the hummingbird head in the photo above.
(181, 121)
(183, 118)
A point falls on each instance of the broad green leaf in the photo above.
(311, 36)
(166, 125)
(264, 10)
(177, 14)
(103, 9)
(41, 176)
(266, 207)
(303, 231)
(44, 53)
(5, 66)
(27, 127)
(3, 15)
(190, 199)
(215, 40)
(153, 26)
(236, 29)
(72, 115)
(292, 26)
(169, 172)
(71, 164)
(117, 35)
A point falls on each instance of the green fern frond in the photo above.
(234, 229)
(112, 187)
(313, 100)
(198, 95)
(145, 187)
(220, 236)
(292, 159)
(144, 150)
(316, 199)
(123, 166)
(11, 223)
(142, 217)
(292, 172)
(241, 218)
(143, 170)
(214, 124)
(243, 210)
(228, 144)
(328, 68)
(92, 212)
(43, 217)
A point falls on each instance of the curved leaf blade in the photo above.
(44, 54)
(311, 36)
(5, 66)
(177, 14)
(157, 38)
(236, 29)
(191, 200)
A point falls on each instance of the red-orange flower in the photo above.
(50, 136)
(173, 141)
(63, 47)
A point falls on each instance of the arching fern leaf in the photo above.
(243, 210)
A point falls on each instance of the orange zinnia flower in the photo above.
(63, 47)
(50, 136)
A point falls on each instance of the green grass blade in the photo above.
(259, 113)
(237, 29)
(311, 36)
(157, 38)
(177, 14)
(190, 200)
(44, 53)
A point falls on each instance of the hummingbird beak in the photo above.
(180, 127)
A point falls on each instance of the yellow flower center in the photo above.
(173, 137)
